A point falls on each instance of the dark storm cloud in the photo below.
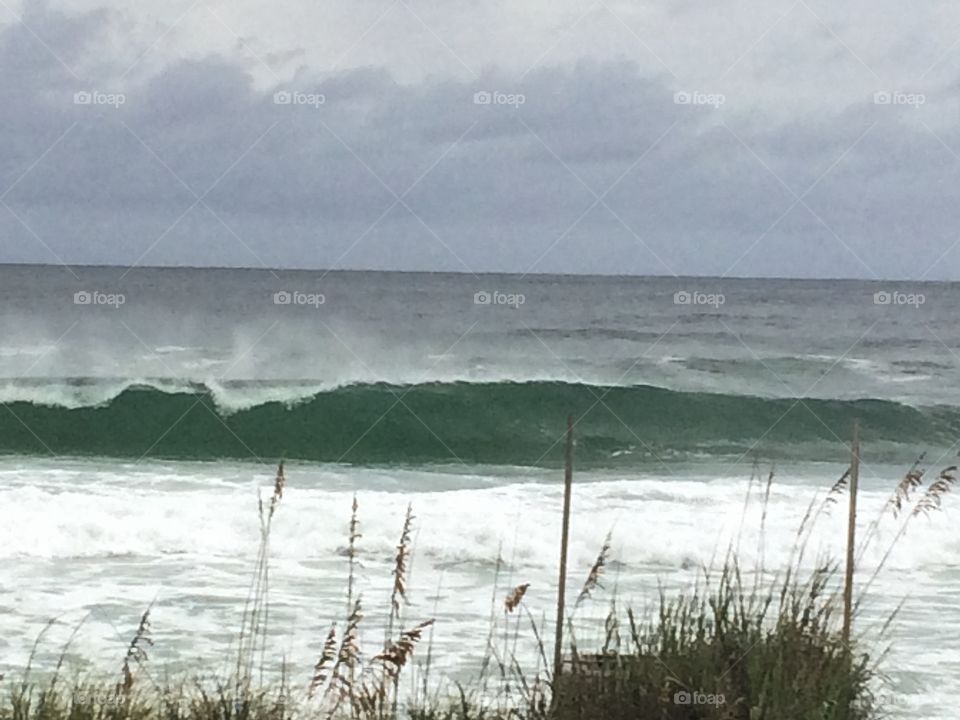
(589, 167)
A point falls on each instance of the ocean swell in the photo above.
(512, 423)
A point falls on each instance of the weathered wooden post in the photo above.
(851, 534)
(564, 538)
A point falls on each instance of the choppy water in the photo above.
(137, 432)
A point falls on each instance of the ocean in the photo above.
(141, 411)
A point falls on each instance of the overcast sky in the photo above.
(803, 139)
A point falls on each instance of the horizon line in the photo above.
(836, 278)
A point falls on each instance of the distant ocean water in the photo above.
(141, 411)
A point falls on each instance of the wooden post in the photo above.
(851, 533)
(565, 536)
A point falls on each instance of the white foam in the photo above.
(61, 394)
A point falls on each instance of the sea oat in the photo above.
(348, 656)
(136, 652)
(349, 653)
(395, 657)
(354, 535)
(901, 494)
(515, 597)
(933, 498)
(400, 564)
(278, 484)
(838, 489)
(373, 690)
(354, 528)
(321, 671)
(593, 579)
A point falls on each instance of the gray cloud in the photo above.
(598, 170)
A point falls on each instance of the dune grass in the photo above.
(764, 648)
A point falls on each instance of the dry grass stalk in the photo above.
(136, 652)
(253, 627)
(278, 484)
(354, 535)
(901, 498)
(766, 497)
(373, 692)
(321, 671)
(340, 687)
(515, 597)
(929, 502)
(593, 579)
(401, 569)
(933, 498)
(354, 526)
(401, 564)
(64, 650)
(349, 653)
(910, 482)
(395, 657)
(838, 489)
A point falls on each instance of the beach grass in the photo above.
(743, 644)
